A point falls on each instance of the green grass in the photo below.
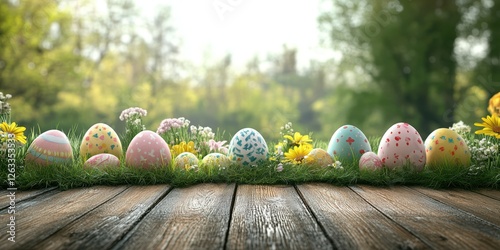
(74, 175)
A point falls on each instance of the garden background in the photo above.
(428, 63)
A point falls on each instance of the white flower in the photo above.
(279, 168)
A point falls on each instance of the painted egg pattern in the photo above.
(216, 160)
(186, 160)
(50, 147)
(400, 145)
(102, 161)
(147, 149)
(100, 138)
(319, 157)
(247, 147)
(370, 160)
(348, 143)
(445, 146)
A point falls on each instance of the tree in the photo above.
(36, 62)
(406, 50)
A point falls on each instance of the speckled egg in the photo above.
(370, 160)
(216, 160)
(49, 148)
(147, 149)
(445, 146)
(247, 147)
(401, 145)
(318, 157)
(100, 138)
(102, 161)
(348, 143)
(186, 160)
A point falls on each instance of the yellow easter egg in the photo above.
(444, 146)
(319, 157)
(99, 139)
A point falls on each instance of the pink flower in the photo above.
(217, 146)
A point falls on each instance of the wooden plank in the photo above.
(108, 223)
(273, 217)
(492, 193)
(21, 195)
(438, 225)
(479, 205)
(352, 223)
(37, 219)
(196, 217)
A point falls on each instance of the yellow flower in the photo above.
(18, 132)
(297, 154)
(491, 126)
(494, 104)
(184, 147)
(299, 139)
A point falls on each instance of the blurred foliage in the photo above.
(75, 63)
(412, 59)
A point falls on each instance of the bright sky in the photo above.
(244, 28)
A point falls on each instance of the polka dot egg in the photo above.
(401, 145)
(444, 146)
(348, 143)
(50, 147)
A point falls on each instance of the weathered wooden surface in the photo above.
(353, 223)
(108, 223)
(438, 225)
(187, 218)
(21, 195)
(479, 205)
(230, 216)
(273, 217)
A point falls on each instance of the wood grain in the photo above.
(21, 195)
(273, 217)
(352, 223)
(492, 193)
(38, 218)
(479, 205)
(108, 223)
(196, 217)
(438, 225)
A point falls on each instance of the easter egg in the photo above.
(216, 160)
(147, 149)
(186, 160)
(370, 160)
(100, 138)
(247, 147)
(348, 143)
(445, 146)
(402, 145)
(319, 157)
(50, 147)
(102, 161)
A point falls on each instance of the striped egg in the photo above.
(49, 148)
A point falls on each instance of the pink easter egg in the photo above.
(147, 149)
(370, 160)
(401, 145)
(102, 161)
(50, 147)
